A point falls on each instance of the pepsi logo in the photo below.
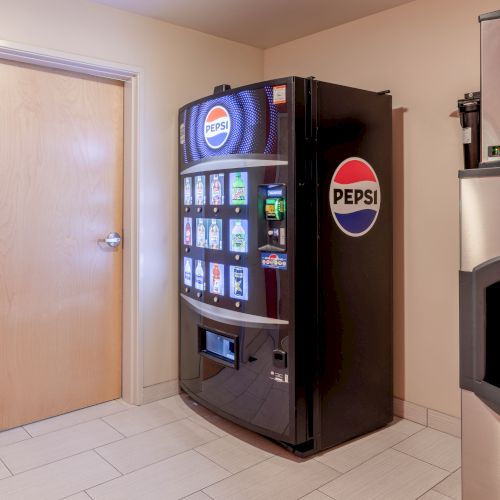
(217, 127)
(355, 196)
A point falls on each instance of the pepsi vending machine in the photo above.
(286, 259)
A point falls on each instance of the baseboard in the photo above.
(160, 391)
(428, 417)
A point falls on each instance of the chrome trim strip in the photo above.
(230, 163)
(232, 317)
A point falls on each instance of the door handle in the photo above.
(112, 240)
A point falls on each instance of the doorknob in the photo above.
(112, 239)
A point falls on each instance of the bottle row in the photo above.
(238, 278)
(209, 234)
(238, 189)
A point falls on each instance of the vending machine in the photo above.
(286, 259)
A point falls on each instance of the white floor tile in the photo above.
(199, 495)
(79, 496)
(143, 418)
(433, 495)
(186, 406)
(316, 495)
(232, 453)
(451, 486)
(277, 478)
(157, 444)
(350, 455)
(170, 479)
(56, 445)
(209, 424)
(4, 472)
(405, 426)
(434, 447)
(58, 480)
(389, 476)
(76, 417)
(13, 436)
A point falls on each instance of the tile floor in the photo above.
(174, 449)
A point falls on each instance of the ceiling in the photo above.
(260, 23)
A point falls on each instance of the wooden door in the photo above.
(61, 176)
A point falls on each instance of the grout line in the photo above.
(6, 466)
(232, 475)
(73, 494)
(114, 428)
(368, 459)
(57, 460)
(124, 474)
(72, 425)
(147, 430)
(428, 463)
(107, 461)
(213, 461)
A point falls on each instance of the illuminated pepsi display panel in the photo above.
(245, 122)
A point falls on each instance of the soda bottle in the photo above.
(214, 235)
(187, 234)
(201, 234)
(238, 191)
(200, 195)
(216, 281)
(238, 282)
(188, 277)
(188, 195)
(216, 191)
(199, 276)
(238, 238)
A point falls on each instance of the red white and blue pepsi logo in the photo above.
(355, 196)
(217, 127)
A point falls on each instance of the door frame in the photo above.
(132, 77)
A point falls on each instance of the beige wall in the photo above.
(179, 65)
(427, 53)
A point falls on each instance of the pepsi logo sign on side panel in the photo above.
(217, 127)
(355, 196)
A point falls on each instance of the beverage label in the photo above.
(199, 275)
(199, 190)
(238, 235)
(201, 233)
(238, 282)
(217, 278)
(188, 271)
(188, 190)
(238, 184)
(188, 231)
(215, 234)
(217, 189)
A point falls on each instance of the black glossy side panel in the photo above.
(466, 300)
(355, 273)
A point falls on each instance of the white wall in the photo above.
(427, 53)
(179, 65)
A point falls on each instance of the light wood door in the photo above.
(61, 170)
